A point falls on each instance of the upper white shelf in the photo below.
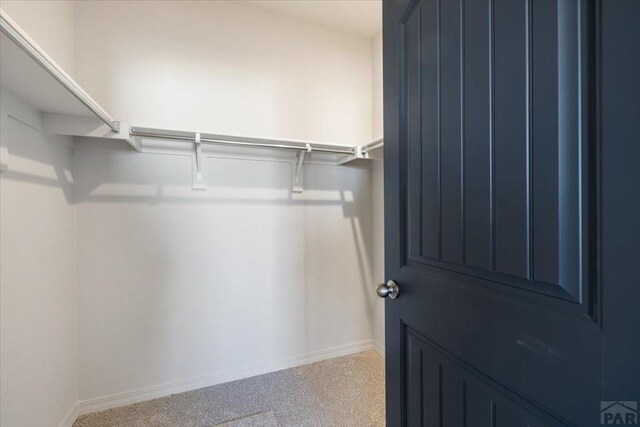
(29, 73)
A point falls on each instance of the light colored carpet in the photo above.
(264, 419)
(346, 391)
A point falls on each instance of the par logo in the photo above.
(619, 413)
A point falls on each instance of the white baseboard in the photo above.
(71, 416)
(378, 347)
(207, 380)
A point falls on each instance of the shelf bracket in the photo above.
(60, 124)
(198, 178)
(296, 176)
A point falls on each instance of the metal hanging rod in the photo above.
(239, 141)
(375, 145)
(24, 42)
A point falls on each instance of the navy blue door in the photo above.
(511, 128)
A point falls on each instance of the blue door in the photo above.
(512, 209)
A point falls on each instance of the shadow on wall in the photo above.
(111, 172)
(153, 253)
(38, 161)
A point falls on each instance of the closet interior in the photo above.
(151, 243)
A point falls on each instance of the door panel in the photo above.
(451, 131)
(488, 161)
(544, 107)
(510, 134)
(476, 122)
(490, 204)
(442, 391)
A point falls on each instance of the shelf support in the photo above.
(198, 178)
(60, 124)
(296, 177)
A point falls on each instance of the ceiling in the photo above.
(360, 17)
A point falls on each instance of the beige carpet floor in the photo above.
(346, 391)
(263, 419)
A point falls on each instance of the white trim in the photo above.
(214, 378)
(71, 416)
(378, 347)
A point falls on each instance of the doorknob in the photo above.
(390, 289)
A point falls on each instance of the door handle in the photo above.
(389, 289)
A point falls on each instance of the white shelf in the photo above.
(30, 74)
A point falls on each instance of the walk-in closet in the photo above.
(191, 213)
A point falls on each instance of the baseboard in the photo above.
(154, 392)
(71, 416)
(378, 347)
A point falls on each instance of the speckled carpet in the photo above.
(264, 419)
(346, 391)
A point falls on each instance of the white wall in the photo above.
(178, 285)
(49, 23)
(224, 67)
(377, 122)
(377, 201)
(38, 357)
(377, 185)
(38, 360)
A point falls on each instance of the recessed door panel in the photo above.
(443, 392)
(493, 142)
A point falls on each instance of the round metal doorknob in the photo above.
(389, 289)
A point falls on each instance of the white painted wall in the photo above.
(377, 122)
(178, 287)
(49, 23)
(377, 201)
(377, 186)
(178, 284)
(224, 67)
(38, 359)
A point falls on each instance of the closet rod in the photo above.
(375, 145)
(234, 141)
(24, 42)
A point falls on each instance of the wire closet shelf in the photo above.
(251, 142)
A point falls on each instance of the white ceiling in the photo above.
(361, 17)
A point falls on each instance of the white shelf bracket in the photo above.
(361, 152)
(60, 124)
(296, 177)
(198, 177)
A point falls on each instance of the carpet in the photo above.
(345, 391)
(263, 419)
